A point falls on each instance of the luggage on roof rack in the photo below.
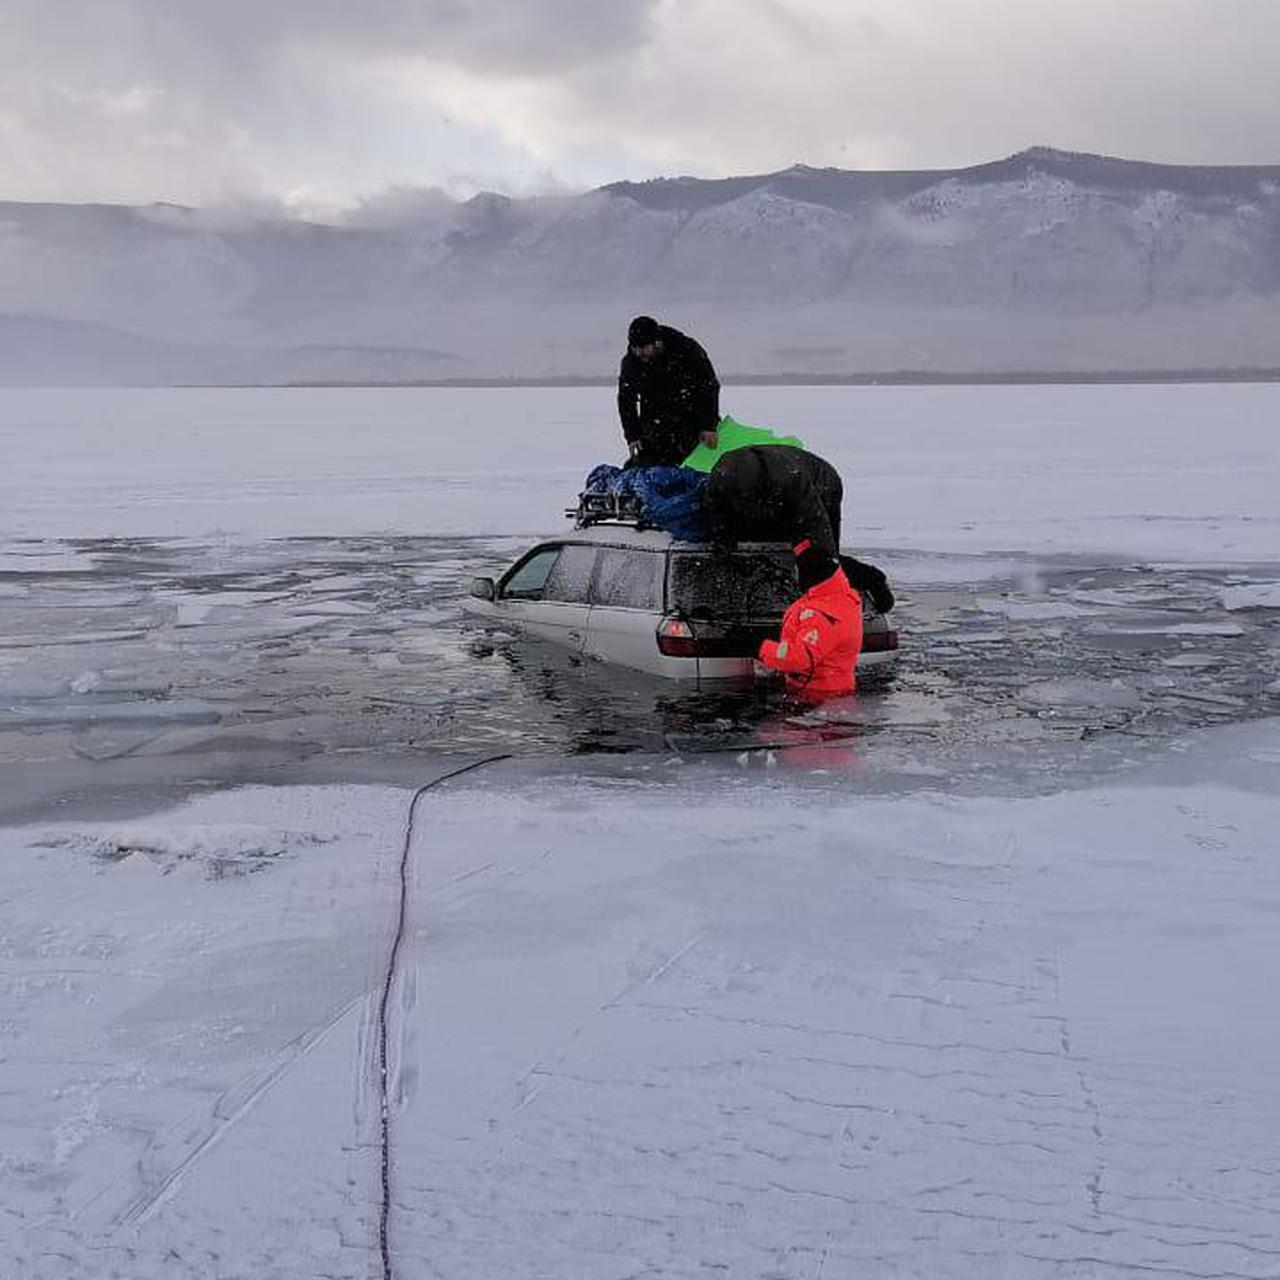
(607, 508)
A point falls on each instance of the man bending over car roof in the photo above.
(774, 493)
(777, 493)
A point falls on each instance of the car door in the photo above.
(627, 591)
(546, 593)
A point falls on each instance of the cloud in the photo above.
(288, 95)
(400, 206)
(321, 101)
(939, 82)
(204, 41)
(62, 141)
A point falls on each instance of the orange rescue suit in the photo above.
(820, 642)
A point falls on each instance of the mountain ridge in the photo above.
(861, 184)
(1040, 157)
(1043, 259)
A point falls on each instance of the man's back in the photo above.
(774, 492)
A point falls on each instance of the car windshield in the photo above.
(746, 584)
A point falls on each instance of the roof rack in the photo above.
(607, 508)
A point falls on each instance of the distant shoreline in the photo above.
(893, 378)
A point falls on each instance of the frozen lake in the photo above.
(272, 575)
(1167, 471)
(152, 658)
(279, 572)
(974, 977)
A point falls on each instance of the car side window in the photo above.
(629, 579)
(570, 579)
(528, 581)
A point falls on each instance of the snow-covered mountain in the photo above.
(1044, 261)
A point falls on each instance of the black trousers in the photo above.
(664, 446)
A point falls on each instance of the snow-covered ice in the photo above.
(1185, 471)
(907, 1034)
(1254, 595)
(971, 976)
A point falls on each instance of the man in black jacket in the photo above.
(668, 395)
(775, 493)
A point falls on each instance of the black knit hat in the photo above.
(642, 331)
(813, 565)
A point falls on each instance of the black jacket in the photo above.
(668, 402)
(774, 493)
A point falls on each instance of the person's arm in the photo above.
(706, 394)
(802, 647)
(628, 404)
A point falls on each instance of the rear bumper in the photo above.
(742, 669)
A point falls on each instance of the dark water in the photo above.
(356, 646)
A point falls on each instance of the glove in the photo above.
(867, 578)
(881, 596)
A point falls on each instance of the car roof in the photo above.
(624, 535)
(609, 534)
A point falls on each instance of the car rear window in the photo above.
(746, 584)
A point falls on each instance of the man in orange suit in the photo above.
(821, 632)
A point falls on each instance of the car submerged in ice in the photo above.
(641, 599)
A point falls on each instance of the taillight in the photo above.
(879, 641)
(676, 639)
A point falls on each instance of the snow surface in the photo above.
(815, 1035)
(806, 1011)
(1257, 595)
(1169, 471)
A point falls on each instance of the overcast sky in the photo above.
(324, 103)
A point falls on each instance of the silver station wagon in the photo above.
(641, 599)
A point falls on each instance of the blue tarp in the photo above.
(670, 497)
